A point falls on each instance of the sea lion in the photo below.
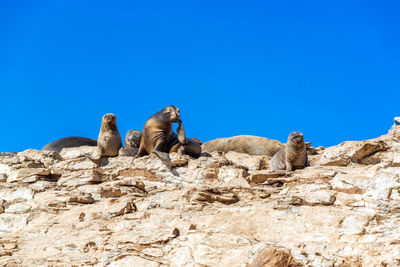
(132, 138)
(157, 135)
(249, 144)
(292, 156)
(109, 141)
(73, 141)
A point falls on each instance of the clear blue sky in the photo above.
(330, 69)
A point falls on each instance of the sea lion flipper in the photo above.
(162, 156)
(289, 166)
(307, 164)
(181, 133)
(142, 151)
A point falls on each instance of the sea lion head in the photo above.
(296, 139)
(109, 118)
(132, 138)
(171, 113)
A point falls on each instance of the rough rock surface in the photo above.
(228, 209)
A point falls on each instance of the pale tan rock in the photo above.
(18, 208)
(275, 257)
(324, 197)
(28, 175)
(2, 205)
(259, 177)
(250, 162)
(120, 207)
(178, 159)
(214, 195)
(129, 260)
(46, 158)
(110, 191)
(76, 164)
(5, 170)
(82, 198)
(350, 151)
(13, 194)
(132, 182)
(41, 186)
(348, 184)
(232, 176)
(355, 224)
(201, 212)
(82, 177)
(78, 152)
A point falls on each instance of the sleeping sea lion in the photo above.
(73, 141)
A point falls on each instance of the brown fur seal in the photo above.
(109, 141)
(157, 134)
(132, 138)
(73, 141)
(249, 144)
(292, 156)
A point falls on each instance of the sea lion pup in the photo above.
(132, 138)
(109, 141)
(292, 156)
(73, 141)
(158, 136)
(188, 146)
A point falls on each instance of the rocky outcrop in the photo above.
(226, 209)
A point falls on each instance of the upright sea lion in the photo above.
(292, 156)
(73, 141)
(109, 141)
(132, 138)
(157, 134)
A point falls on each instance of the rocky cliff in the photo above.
(227, 209)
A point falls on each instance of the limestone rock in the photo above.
(250, 162)
(81, 198)
(46, 158)
(28, 175)
(81, 177)
(263, 175)
(222, 209)
(324, 197)
(78, 152)
(275, 257)
(120, 207)
(351, 151)
(128, 151)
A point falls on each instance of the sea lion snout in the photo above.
(296, 137)
(110, 117)
(173, 113)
